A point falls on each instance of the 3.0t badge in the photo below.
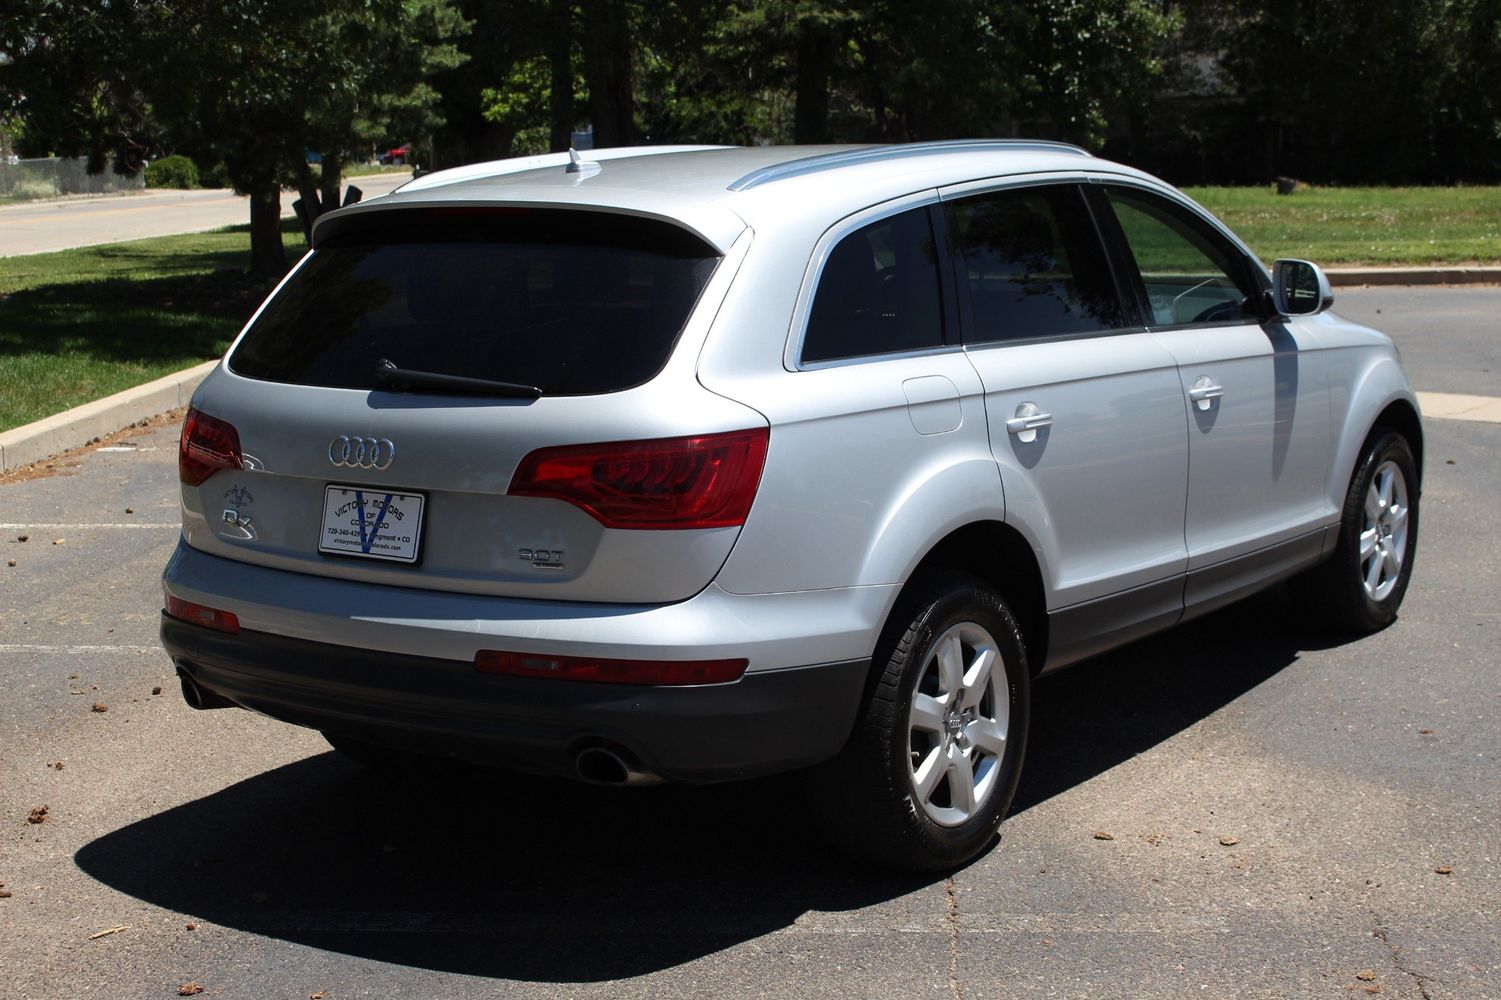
(361, 452)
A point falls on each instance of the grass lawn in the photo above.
(1349, 226)
(81, 324)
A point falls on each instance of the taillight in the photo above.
(688, 482)
(590, 668)
(208, 444)
(198, 614)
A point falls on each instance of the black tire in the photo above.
(865, 800)
(1335, 592)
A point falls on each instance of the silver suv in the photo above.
(695, 464)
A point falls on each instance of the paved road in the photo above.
(41, 227)
(1280, 806)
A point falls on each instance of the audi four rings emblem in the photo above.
(361, 452)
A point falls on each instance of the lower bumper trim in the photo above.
(764, 723)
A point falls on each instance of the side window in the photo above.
(878, 293)
(1192, 274)
(1034, 264)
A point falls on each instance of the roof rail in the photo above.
(876, 154)
(520, 164)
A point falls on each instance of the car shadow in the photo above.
(499, 875)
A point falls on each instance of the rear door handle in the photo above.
(1205, 391)
(1028, 421)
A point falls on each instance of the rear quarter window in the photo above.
(573, 302)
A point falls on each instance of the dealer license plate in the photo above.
(372, 524)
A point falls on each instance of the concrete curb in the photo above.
(1477, 275)
(80, 425)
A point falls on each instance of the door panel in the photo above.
(1085, 412)
(1099, 491)
(1258, 410)
(1258, 453)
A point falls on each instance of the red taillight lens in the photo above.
(197, 614)
(687, 482)
(590, 668)
(208, 444)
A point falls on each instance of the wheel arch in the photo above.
(1402, 416)
(999, 555)
(1376, 395)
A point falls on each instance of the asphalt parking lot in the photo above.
(1243, 807)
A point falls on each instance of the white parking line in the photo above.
(28, 647)
(22, 526)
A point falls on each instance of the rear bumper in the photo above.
(764, 723)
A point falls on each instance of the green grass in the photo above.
(81, 324)
(373, 169)
(1343, 227)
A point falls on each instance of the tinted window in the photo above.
(878, 292)
(1034, 264)
(1192, 274)
(572, 302)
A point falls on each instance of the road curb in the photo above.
(1478, 275)
(80, 425)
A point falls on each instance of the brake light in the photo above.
(688, 482)
(198, 614)
(590, 668)
(208, 444)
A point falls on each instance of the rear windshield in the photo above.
(572, 302)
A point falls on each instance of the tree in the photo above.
(252, 84)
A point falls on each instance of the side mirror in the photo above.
(1300, 288)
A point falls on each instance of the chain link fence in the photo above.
(26, 180)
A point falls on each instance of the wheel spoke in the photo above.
(929, 773)
(1384, 482)
(1373, 572)
(927, 713)
(1367, 544)
(1397, 518)
(1393, 563)
(1372, 505)
(961, 781)
(977, 678)
(987, 735)
(951, 666)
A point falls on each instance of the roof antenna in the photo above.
(578, 165)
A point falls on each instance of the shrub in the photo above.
(216, 176)
(172, 172)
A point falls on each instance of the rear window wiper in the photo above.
(410, 380)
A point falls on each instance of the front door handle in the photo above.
(1028, 421)
(1205, 391)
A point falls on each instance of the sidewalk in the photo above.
(1456, 274)
(47, 226)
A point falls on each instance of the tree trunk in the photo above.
(815, 62)
(607, 69)
(560, 58)
(329, 185)
(268, 259)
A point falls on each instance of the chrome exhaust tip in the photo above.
(604, 766)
